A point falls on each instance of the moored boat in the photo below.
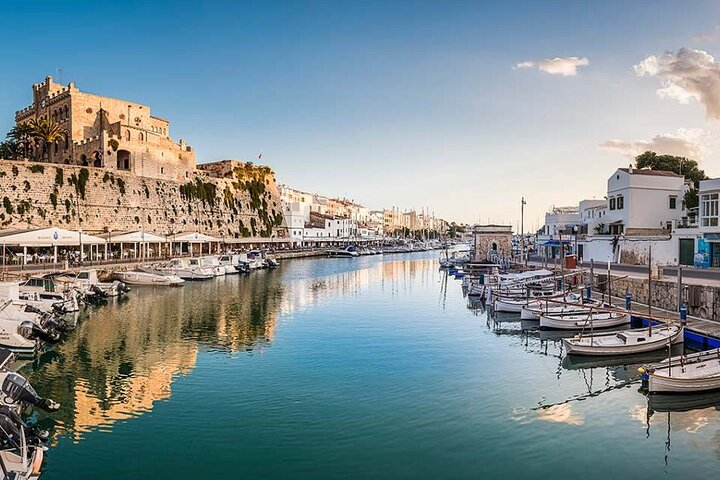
(697, 372)
(626, 342)
(580, 321)
(148, 277)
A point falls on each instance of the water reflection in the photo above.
(123, 357)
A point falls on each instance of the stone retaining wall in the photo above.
(245, 203)
(703, 301)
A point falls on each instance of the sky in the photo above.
(457, 107)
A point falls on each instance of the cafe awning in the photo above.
(48, 237)
(138, 236)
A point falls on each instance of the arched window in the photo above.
(141, 136)
(66, 116)
(127, 135)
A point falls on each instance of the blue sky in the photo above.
(408, 104)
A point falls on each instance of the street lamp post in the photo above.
(575, 231)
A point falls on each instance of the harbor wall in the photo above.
(242, 201)
(703, 301)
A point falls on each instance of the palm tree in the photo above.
(21, 134)
(9, 149)
(48, 132)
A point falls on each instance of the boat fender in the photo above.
(37, 461)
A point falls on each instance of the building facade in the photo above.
(108, 133)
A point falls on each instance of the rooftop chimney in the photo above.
(630, 168)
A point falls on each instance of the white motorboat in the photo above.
(348, 251)
(580, 321)
(189, 269)
(229, 262)
(255, 259)
(44, 291)
(148, 277)
(697, 372)
(212, 262)
(626, 342)
(87, 281)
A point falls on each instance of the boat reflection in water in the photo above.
(124, 356)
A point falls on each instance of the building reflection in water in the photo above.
(124, 357)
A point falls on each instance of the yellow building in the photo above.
(109, 133)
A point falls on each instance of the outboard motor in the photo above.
(49, 322)
(32, 331)
(98, 291)
(121, 287)
(11, 423)
(18, 389)
(59, 308)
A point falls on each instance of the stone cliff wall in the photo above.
(244, 203)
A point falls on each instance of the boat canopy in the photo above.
(48, 237)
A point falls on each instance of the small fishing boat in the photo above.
(515, 304)
(580, 321)
(697, 372)
(140, 276)
(626, 342)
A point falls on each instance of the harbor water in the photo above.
(370, 367)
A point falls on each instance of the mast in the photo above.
(522, 230)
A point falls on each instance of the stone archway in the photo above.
(123, 160)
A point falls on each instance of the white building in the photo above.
(644, 202)
(592, 213)
(708, 243)
(559, 220)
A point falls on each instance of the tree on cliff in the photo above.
(686, 167)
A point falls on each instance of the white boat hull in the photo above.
(627, 342)
(699, 373)
(508, 305)
(580, 322)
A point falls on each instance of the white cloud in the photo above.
(686, 142)
(526, 64)
(686, 74)
(565, 66)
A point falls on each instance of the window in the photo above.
(673, 202)
(620, 202)
(140, 136)
(612, 203)
(709, 210)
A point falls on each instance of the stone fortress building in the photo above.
(117, 169)
(109, 133)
